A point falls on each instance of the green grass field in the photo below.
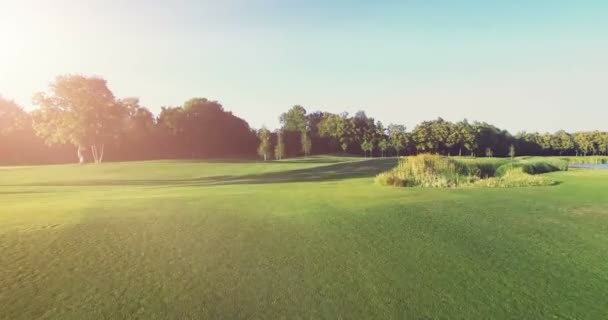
(310, 239)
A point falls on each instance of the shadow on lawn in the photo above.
(331, 172)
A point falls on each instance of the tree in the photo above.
(201, 128)
(79, 110)
(468, 134)
(264, 147)
(319, 144)
(583, 142)
(279, 149)
(12, 116)
(306, 143)
(603, 145)
(398, 138)
(294, 119)
(337, 127)
(137, 138)
(563, 142)
(13, 121)
(367, 146)
(489, 152)
(432, 136)
(383, 145)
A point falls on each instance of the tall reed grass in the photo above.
(434, 171)
(587, 160)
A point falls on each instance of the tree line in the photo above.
(79, 118)
(359, 134)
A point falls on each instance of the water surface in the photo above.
(589, 166)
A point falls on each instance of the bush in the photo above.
(427, 170)
(433, 171)
(534, 166)
(512, 178)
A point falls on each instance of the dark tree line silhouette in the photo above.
(80, 119)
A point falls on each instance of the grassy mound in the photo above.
(433, 171)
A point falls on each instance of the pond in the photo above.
(589, 166)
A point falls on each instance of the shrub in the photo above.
(433, 171)
(534, 166)
(486, 167)
(512, 178)
(427, 170)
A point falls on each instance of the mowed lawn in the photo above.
(295, 239)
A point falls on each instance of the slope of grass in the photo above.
(295, 239)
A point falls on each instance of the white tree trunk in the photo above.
(103, 146)
(94, 153)
(80, 155)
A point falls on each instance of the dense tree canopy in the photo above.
(82, 112)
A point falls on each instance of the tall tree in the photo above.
(306, 143)
(79, 110)
(383, 145)
(337, 127)
(294, 119)
(293, 125)
(279, 149)
(398, 137)
(367, 146)
(563, 142)
(432, 136)
(138, 132)
(468, 134)
(264, 147)
(583, 141)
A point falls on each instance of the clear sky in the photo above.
(522, 65)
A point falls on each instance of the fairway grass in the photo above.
(313, 238)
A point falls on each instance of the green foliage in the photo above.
(431, 171)
(306, 143)
(264, 147)
(534, 166)
(338, 127)
(432, 136)
(81, 111)
(383, 145)
(398, 138)
(294, 119)
(514, 177)
(367, 147)
(279, 149)
(587, 160)
(444, 172)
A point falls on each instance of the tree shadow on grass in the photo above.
(331, 172)
(339, 171)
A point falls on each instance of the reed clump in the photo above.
(434, 171)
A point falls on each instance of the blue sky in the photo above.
(522, 65)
